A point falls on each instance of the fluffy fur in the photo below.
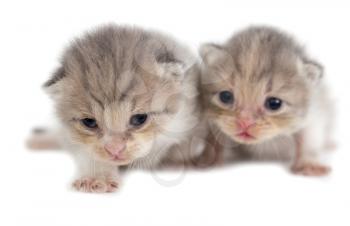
(111, 74)
(255, 64)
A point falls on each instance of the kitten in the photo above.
(262, 92)
(124, 96)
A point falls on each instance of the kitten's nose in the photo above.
(245, 119)
(245, 123)
(115, 146)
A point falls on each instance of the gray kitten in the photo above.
(124, 96)
(264, 93)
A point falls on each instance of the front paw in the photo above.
(96, 185)
(310, 169)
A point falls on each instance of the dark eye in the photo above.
(89, 123)
(273, 103)
(226, 97)
(138, 119)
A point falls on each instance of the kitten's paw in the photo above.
(310, 169)
(93, 185)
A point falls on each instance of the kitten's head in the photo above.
(257, 85)
(117, 89)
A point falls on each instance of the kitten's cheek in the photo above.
(146, 148)
(265, 134)
(141, 145)
(86, 140)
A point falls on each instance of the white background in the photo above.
(34, 187)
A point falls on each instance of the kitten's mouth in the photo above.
(245, 136)
(120, 161)
(118, 158)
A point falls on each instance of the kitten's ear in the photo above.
(313, 71)
(212, 53)
(52, 86)
(170, 65)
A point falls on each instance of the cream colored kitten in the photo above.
(124, 96)
(265, 95)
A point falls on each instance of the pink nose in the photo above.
(245, 124)
(115, 149)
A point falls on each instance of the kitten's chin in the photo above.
(116, 162)
(122, 162)
(246, 138)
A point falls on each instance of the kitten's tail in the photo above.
(43, 138)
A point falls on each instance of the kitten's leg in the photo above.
(212, 155)
(96, 176)
(43, 138)
(196, 153)
(307, 156)
(330, 144)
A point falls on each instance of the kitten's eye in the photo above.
(226, 97)
(89, 123)
(138, 119)
(273, 103)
